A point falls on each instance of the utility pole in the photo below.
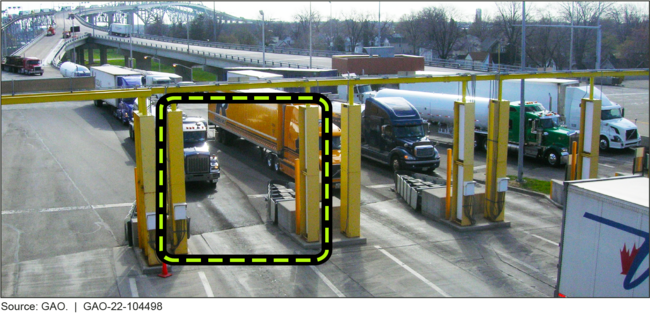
(379, 21)
(310, 35)
(571, 49)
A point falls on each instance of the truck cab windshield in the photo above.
(191, 138)
(551, 122)
(610, 114)
(34, 62)
(408, 131)
(363, 88)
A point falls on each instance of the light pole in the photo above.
(154, 58)
(379, 26)
(310, 35)
(263, 42)
(191, 69)
(188, 32)
(331, 34)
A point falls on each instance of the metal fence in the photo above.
(472, 66)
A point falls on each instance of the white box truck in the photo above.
(558, 95)
(117, 29)
(604, 245)
(112, 77)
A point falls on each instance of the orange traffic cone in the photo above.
(164, 274)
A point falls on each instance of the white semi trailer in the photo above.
(559, 95)
(604, 242)
(112, 77)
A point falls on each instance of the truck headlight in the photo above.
(407, 157)
(616, 139)
(564, 149)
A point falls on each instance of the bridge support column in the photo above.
(80, 55)
(110, 18)
(91, 57)
(103, 55)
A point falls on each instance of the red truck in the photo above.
(27, 65)
(50, 31)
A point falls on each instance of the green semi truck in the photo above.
(544, 138)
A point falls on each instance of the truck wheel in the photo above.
(276, 165)
(270, 161)
(552, 158)
(604, 143)
(395, 164)
(213, 183)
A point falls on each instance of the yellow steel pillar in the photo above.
(497, 157)
(463, 153)
(351, 170)
(177, 217)
(588, 149)
(144, 128)
(309, 158)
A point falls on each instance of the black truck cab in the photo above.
(393, 133)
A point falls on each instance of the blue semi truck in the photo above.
(393, 133)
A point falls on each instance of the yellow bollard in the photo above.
(448, 196)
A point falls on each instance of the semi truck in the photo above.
(544, 137)
(23, 65)
(69, 69)
(200, 165)
(50, 31)
(117, 29)
(559, 95)
(273, 128)
(393, 133)
(604, 241)
(361, 92)
(111, 77)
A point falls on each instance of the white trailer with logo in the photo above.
(604, 245)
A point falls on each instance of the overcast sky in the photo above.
(286, 10)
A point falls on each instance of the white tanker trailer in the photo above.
(69, 69)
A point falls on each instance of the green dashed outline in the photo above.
(244, 259)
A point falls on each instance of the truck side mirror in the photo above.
(428, 127)
(212, 133)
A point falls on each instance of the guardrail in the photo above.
(471, 66)
(253, 61)
(28, 44)
(56, 60)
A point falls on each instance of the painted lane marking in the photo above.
(416, 274)
(62, 209)
(608, 166)
(541, 238)
(327, 282)
(256, 196)
(206, 285)
(134, 288)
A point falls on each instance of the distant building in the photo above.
(478, 16)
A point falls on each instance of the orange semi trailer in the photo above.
(273, 128)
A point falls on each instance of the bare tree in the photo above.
(508, 16)
(482, 29)
(441, 30)
(355, 25)
(410, 26)
(585, 14)
(301, 27)
(545, 44)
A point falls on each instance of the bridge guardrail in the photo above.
(56, 60)
(253, 61)
(470, 66)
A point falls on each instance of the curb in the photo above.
(529, 192)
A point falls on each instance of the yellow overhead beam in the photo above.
(306, 83)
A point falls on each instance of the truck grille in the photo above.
(631, 135)
(37, 68)
(197, 164)
(424, 151)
